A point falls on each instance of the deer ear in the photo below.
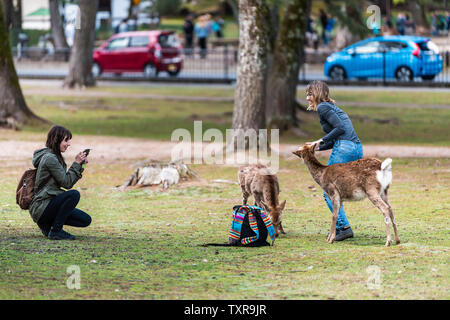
(282, 205)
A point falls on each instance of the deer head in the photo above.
(304, 151)
(275, 215)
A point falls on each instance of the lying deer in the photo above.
(258, 181)
(353, 181)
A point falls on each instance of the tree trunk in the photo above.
(281, 103)
(57, 26)
(249, 103)
(14, 111)
(419, 18)
(7, 14)
(80, 62)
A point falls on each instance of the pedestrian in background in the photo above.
(217, 26)
(188, 29)
(410, 29)
(202, 30)
(123, 26)
(324, 22)
(400, 24)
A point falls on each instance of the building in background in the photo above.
(36, 13)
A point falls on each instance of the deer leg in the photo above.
(375, 198)
(281, 229)
(384, 196)
(245, 195)
(336, 206)
(244, 198)
(258, 199)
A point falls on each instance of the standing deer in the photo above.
(257, 180)
(353, 181)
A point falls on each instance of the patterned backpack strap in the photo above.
(253, 225)
(236, 224)
(268, 222)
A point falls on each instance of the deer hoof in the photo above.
(397, 241)
(388, 243)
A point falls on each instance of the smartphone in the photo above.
(86, 152)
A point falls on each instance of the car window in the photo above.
(168, 40)
(393, 46)
(370, 47)
(139, 41)
(428, 47)
(118, 43)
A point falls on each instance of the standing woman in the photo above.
(53, 207)
(340, 136)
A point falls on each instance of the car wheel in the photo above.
(337, 73)
(96, 70)
(150, 71)
(428, 78)
(404, 74)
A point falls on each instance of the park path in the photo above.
(112, 149)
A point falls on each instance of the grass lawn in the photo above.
(146, 243)
(143, 244)
(137, 116)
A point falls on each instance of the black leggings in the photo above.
(61, 211)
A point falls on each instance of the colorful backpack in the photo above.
(249, 228)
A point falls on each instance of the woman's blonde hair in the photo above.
(320, 93)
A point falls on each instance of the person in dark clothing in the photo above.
(324, 22)
(52, 207)
(340, 136)
(188, 29)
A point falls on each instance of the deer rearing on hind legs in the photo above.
(353, 181)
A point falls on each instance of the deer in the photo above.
(257, 180)
(353, 181)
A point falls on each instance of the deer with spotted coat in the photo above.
(353, 181)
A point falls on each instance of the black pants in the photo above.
(61, 211)
(202, 43)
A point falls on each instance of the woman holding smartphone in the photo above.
(52, 207)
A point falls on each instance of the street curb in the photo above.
(230, 81)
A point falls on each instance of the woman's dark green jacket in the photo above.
(48, 165)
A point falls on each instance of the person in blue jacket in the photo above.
(202, 30)
(340, 136)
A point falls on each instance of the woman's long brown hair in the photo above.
(54, 138)
(320, 93)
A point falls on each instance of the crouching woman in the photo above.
(52, 207)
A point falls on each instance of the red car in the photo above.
(149, 52)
